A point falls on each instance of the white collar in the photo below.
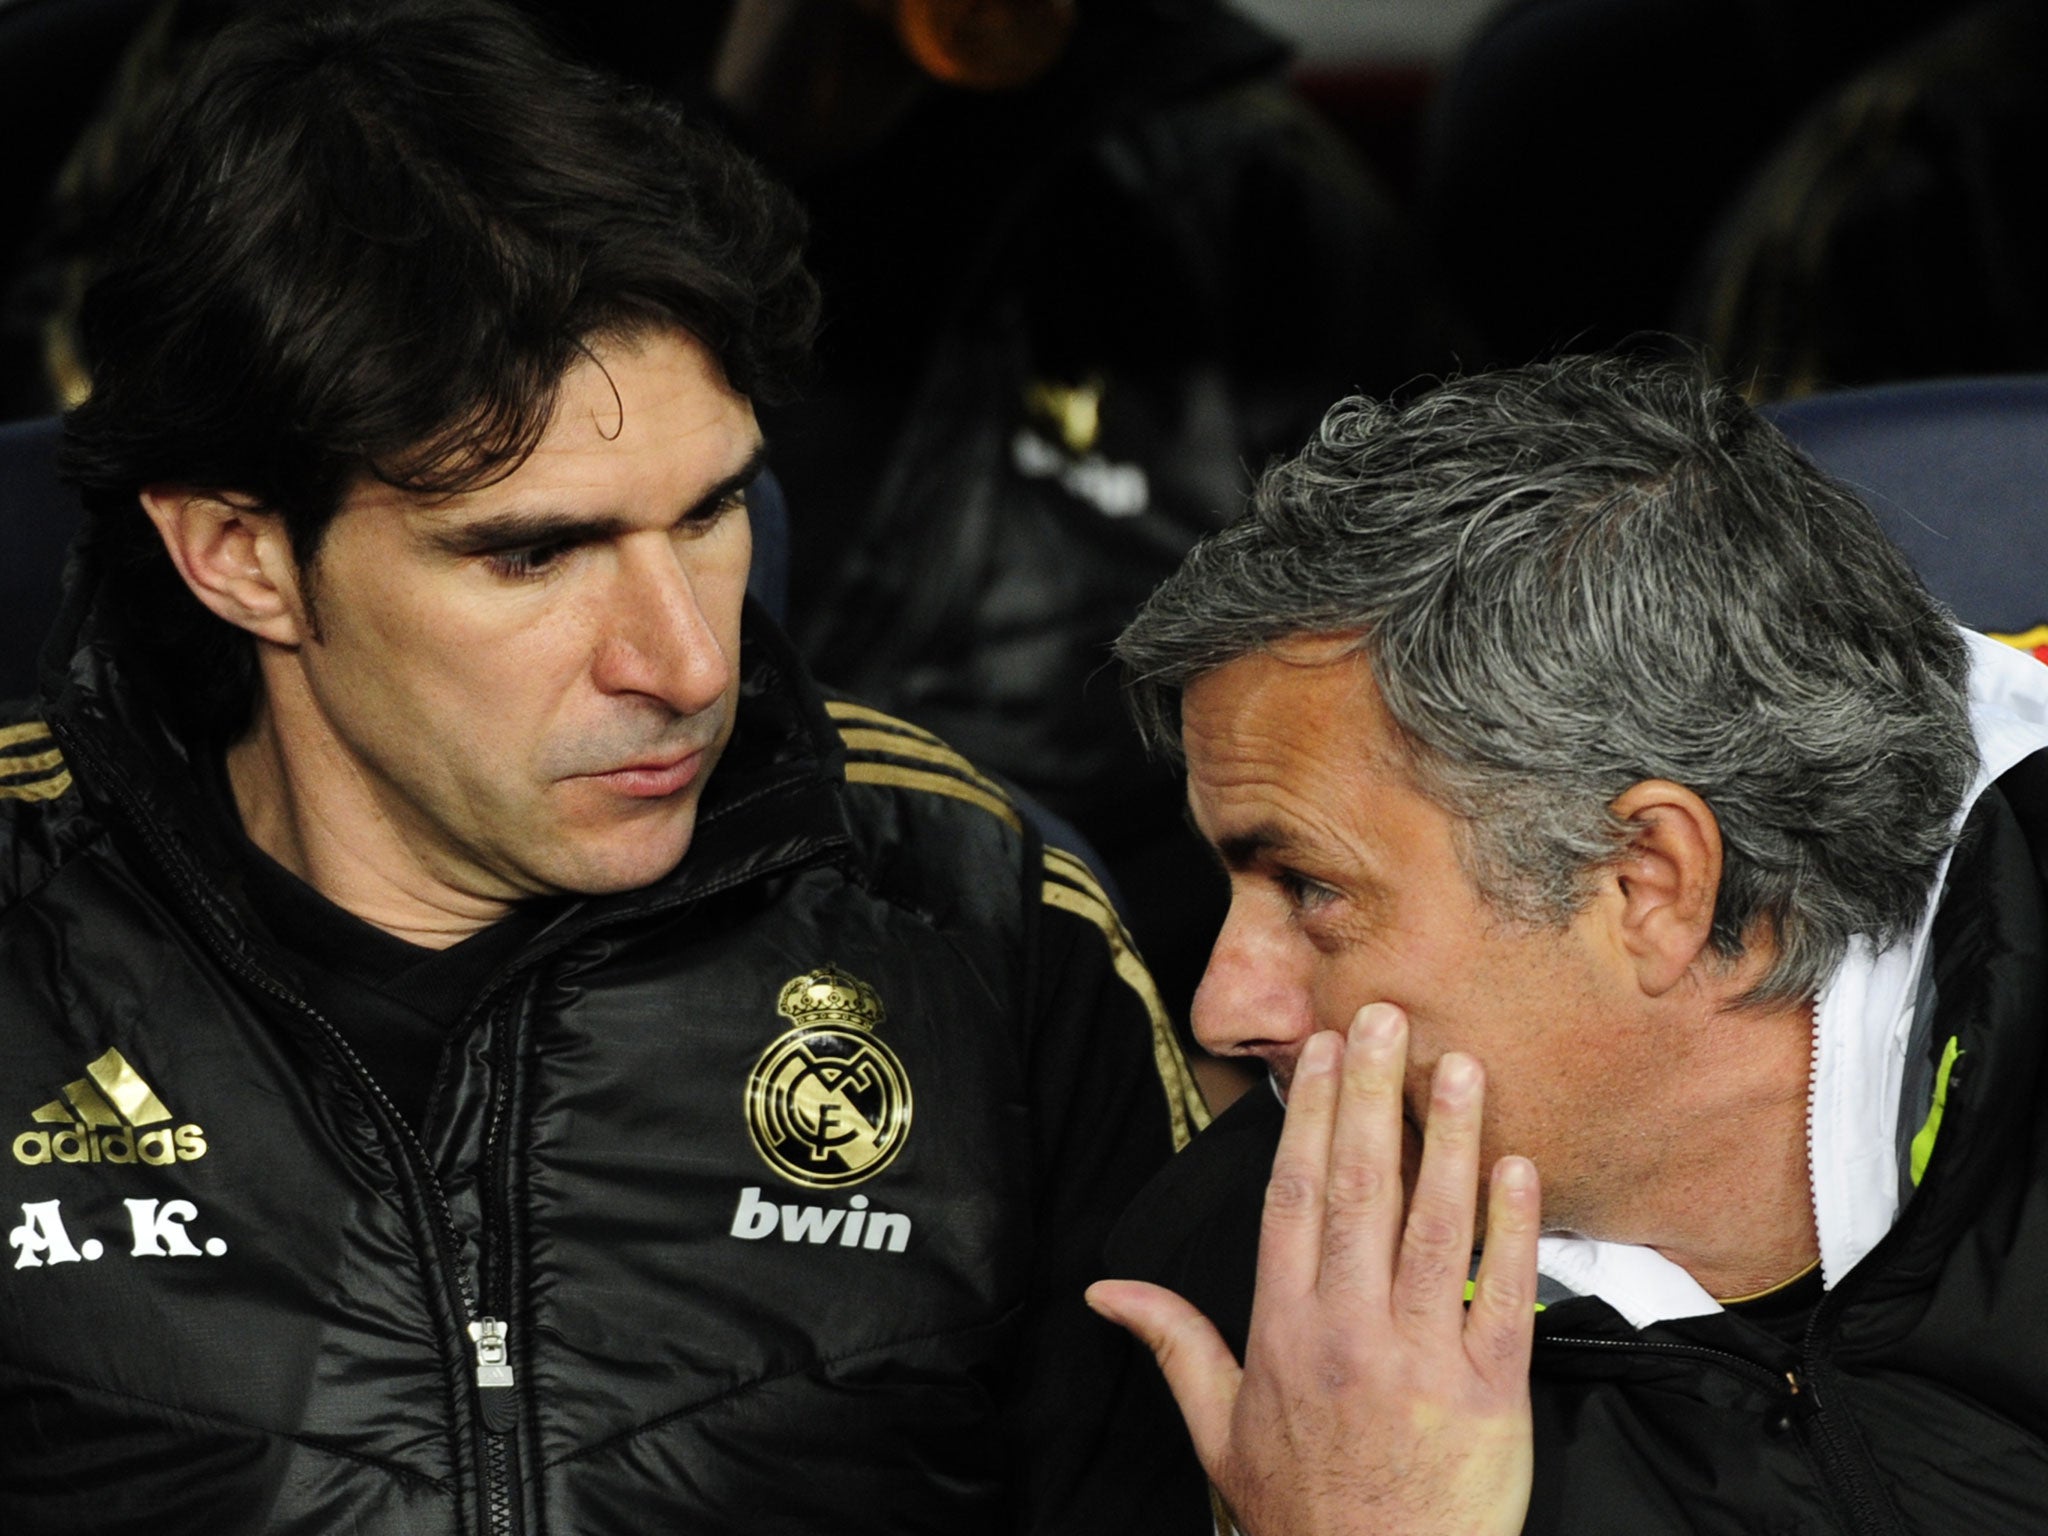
(1863, 1018)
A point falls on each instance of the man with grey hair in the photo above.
(1572, 745)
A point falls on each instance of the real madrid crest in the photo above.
(828, 1103)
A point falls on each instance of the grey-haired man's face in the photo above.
(1347, 889)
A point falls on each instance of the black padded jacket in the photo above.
(1914, 1398)
(758, 1200)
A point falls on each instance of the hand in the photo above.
(1372, 1401)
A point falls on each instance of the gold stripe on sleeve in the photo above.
(27, 731)
(899, 777)
(1185, 1110)
(924, 751)
(38, 789)
(839, 709)
(1071, 868)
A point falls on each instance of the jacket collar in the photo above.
(1878, 1042)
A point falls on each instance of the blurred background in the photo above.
(1089, 264)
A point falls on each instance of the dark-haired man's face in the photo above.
(522, 689)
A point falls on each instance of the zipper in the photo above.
(1847, 1467)
(491, 1368)
(447, 1235)
(1786, 1383)
(497, 1405)
(1844, 1469)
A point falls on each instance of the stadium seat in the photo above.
(38, 516)
(1957, 472)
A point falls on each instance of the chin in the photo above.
(625, 863)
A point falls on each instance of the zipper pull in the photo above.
(493, 1374)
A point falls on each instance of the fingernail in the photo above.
(1514, 1175)
(1376, 1024)
(1457, 1076)
(1318, 1053)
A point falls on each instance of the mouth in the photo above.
(654, 778)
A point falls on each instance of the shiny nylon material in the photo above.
(579, 1176)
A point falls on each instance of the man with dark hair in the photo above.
(465, 992)
(1572, 744)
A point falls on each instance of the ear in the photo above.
(235, 556)
(1667, 882)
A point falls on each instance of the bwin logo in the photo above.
(757, 1218)
(101, 1119)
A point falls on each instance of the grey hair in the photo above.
(1572, 577)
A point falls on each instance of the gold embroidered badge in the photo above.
(828, 1104)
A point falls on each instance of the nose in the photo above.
(1255, 998)
(673, 619)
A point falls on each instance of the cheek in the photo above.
(460, 685)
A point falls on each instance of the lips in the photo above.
(654, 779)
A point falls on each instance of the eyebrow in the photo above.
(519, 526)
(1240, 849)
(1243, 849)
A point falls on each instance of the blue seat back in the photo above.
(1956, 471)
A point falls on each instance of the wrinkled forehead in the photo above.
(1296, 689)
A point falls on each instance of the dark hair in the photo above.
(1573, 577)
(371, 239)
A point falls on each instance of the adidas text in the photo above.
(859, 1227)
(78, 1145)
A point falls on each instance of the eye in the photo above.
(1303, 894)
(713, 513)
(528, 562)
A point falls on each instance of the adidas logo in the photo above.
(756, 1218)
(103, 1116)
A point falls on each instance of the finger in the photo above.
(1199, 1368)
(1436, 1242)
(1291, 1229)
(1501, 1322)
(1362, 1206)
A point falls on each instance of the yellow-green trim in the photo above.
(1923, 1139)
(33, 762)
(27, 731)
(1472, 1289)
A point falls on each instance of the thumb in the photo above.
(1200, 1370)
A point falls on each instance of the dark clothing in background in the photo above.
(1900, 231)
(1064, 328)
(1581, 151)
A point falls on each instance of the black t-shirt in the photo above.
(1784, 1310)
(394, 1002)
